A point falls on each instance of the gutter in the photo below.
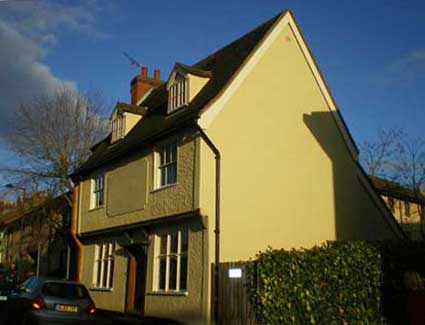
(74, 219)
(217, 155)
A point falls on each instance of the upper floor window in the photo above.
(166, 171)
(407, 209)
(178, 94)
(171, 261)
(98, 189)
(391, 204)
(118, 127)
(103, 270)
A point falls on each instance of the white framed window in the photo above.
(166, 165)
(98, 191)
(178, 94)
(118, 125)
(103, 269)
(171, 262)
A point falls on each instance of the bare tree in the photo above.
(396, 156)
(52, 135)
(380, 156)
(410, 171)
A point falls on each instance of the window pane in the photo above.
(98, 268)
(99, 251)
(111, 273)
(100, 198)
(183, 272)
(174, 152)
(162, 172)
(162, 272)
(64, 290)
(163, 244)
(161, 157)
(168, 154)
(172, 173)
(105, 274)
(184, 240)
(174, 243)
(173, 273)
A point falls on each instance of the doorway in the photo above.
(136, 278)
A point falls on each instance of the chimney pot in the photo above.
(156, 74)
(141, 84)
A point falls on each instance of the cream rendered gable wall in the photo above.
(195, 85)
(288, 177)
(130, 121)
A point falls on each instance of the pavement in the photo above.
(103, 317)
(106, 317)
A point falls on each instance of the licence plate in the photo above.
(67, 308)
(3, 298)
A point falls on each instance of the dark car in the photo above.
(43, 300)
(6, 287)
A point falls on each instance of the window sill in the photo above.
(101, 289)
(163, 187)
(177, 109)
(168, 293)
(97, 208)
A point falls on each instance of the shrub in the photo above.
(337, 283)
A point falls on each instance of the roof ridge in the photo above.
(246, 35)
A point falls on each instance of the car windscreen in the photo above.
(64, 290)
(29, 284)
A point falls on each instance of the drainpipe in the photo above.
(217, 155)
(74, 218)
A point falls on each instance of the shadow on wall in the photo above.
(351, 220)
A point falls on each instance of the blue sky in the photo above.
(372, 53)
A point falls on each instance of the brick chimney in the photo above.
(142, 83)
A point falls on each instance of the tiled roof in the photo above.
(220, 66)
(396, 190)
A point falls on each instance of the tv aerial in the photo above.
(133, 62)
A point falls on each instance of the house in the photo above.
(240, 151)
(35, 235)
(5, 206)
(406, 206)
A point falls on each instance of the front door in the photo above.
(136, 278)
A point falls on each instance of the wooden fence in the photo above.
(234, 305)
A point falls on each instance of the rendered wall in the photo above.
(167, 201)
(190, 307)
(288, 179)
(106, 299)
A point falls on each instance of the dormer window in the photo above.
(178, 93)
(118, 127)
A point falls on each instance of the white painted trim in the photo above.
(144, 96)
(211, 112)
(173, 74)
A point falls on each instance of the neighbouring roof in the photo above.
(220, 67)
(393, 189)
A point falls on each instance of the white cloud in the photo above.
(28, 29)
(23, 75)
(39, 18)
(407, 68)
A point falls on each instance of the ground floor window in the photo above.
(103, 270)
(171, 261)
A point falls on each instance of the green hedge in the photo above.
(337, 283)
